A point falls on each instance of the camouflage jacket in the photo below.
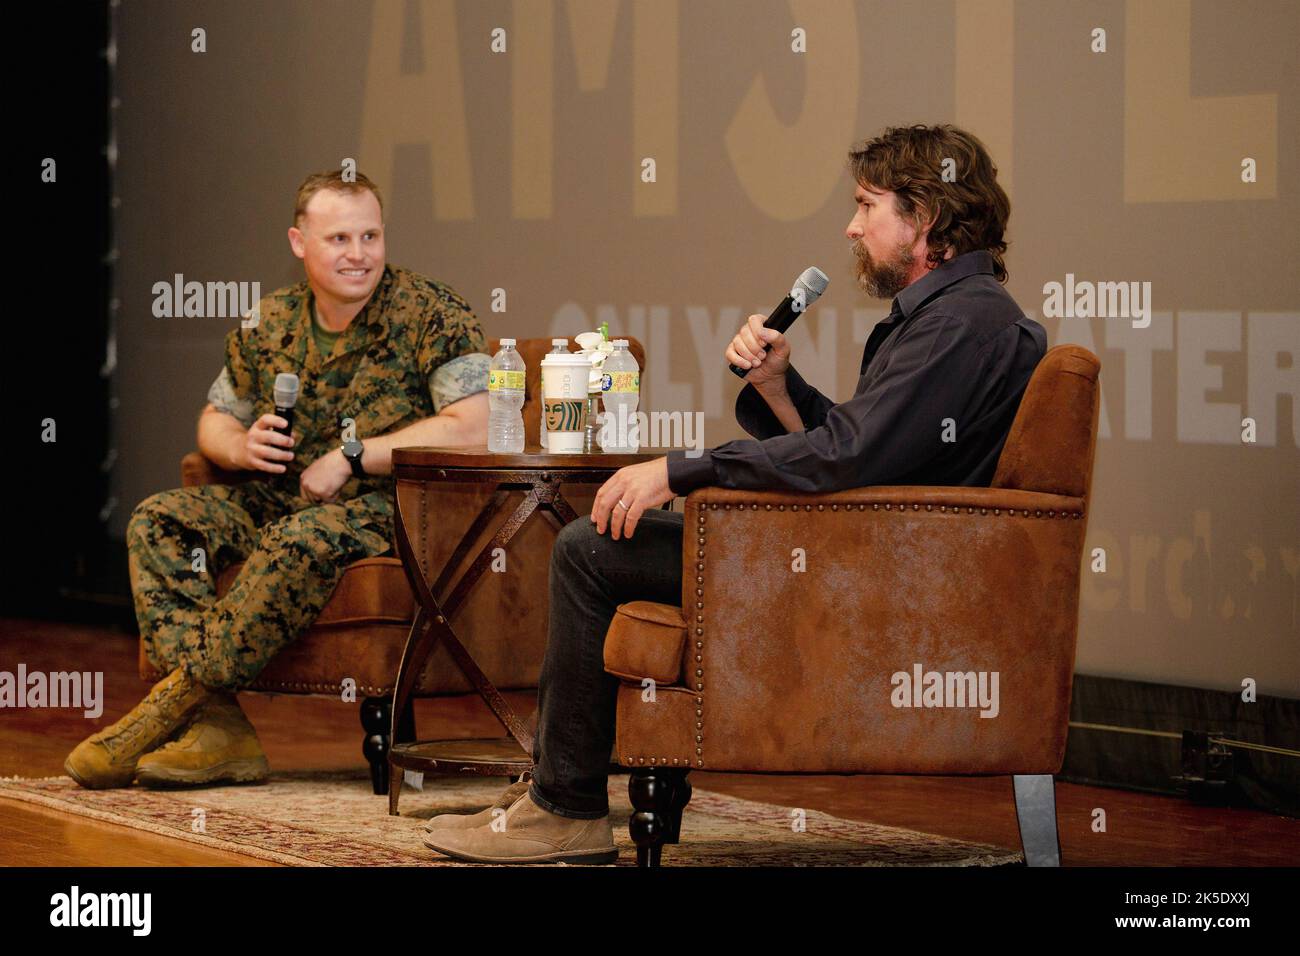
(415, 348)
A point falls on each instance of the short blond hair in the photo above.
(333, 180)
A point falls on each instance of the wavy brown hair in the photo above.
(969, 213)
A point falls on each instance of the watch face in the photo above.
(352, 449)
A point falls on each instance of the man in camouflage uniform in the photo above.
(401, 357)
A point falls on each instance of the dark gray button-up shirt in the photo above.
(955, 346)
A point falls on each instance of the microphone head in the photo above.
(813, 282)
(286, 390)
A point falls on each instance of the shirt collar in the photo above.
(376, 310)
(978, 262)
(373, 317)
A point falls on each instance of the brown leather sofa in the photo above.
(362, 630)
(768, 670)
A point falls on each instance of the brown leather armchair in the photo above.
(766, 669)
(362, 630)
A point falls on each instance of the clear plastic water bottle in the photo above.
(505, 400)
(558, 346)
(621, 388)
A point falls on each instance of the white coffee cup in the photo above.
(564, 401)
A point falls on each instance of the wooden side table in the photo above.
(540, 476)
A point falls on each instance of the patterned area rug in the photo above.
(333, 819)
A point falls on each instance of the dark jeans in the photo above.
(590, 576)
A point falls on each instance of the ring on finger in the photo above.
(621, 505)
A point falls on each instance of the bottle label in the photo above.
(499, 378)
(621, 382)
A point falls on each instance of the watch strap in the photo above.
(355, 461)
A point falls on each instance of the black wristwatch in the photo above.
(352, 452)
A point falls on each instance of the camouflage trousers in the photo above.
(294, 553)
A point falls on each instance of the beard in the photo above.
(883, 279)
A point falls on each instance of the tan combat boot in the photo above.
(219, 746)
(108, 758)
(464, 821)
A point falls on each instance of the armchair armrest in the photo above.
(887, 629)
(196, 469)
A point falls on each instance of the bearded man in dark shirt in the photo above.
(941, 379)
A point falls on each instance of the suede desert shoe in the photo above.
(218, 746)
(465, 821)
(109, 758)
(526, 833)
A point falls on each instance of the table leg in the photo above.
(439, 627)
(561, 506)
(490, 511)
(432, 619)
(484, 559)
(419, 643)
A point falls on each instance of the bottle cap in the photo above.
(622, 342)
(559, 341)
(507, 343)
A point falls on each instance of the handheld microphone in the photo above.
(807, 290)
(286, 397)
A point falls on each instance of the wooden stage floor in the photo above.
(317, 733)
